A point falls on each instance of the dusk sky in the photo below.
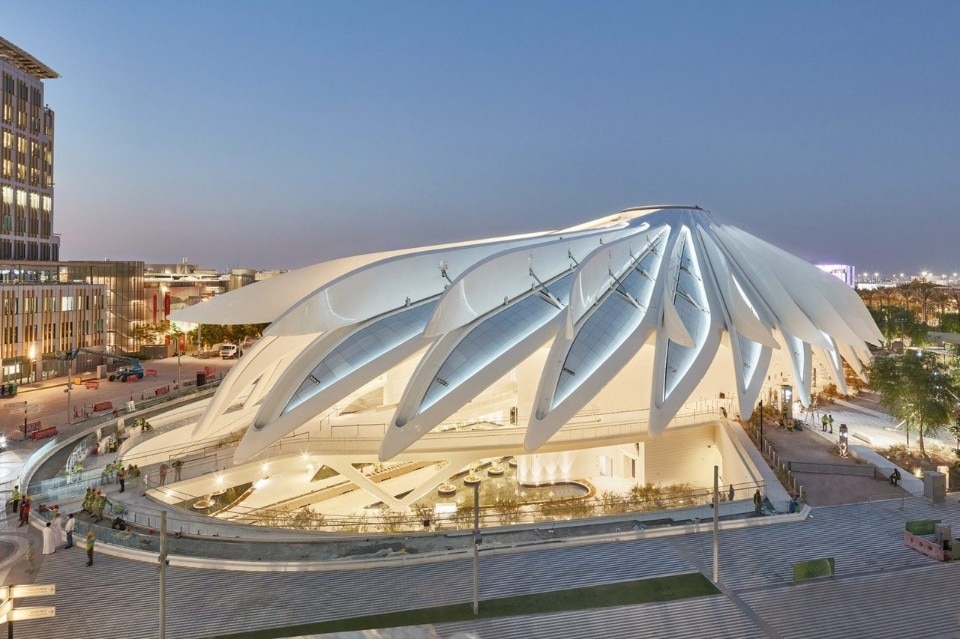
(280, 134)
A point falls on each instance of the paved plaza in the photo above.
(881, 587)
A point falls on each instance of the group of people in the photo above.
(59, 530)
(21, 506)
(116, 471)
(95, 502)
(826, 421)
(145, 426)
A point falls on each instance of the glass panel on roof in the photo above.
(377, 337)
(690, 300)
(750, 355)
(611, 323)
(495, 335)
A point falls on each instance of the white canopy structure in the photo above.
(620, 324)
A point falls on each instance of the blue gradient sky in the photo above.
(279, 134)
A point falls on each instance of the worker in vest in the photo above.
(16, 499)
(101, 505)
(90, 541)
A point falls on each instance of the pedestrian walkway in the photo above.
(878, 587)
(877, 591)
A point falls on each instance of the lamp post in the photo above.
(716, 524)
(69, 389)
(178, 335)
(760, 404)
(476, 548)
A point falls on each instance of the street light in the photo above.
(178, 335)
(476, 548)
(760, 404)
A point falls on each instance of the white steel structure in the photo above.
(597, 336)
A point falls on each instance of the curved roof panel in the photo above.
(425, 331)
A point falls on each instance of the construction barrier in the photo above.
(44, 433)
(99, 406)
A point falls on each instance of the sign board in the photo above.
(33, 590)
(24, 406)
(34, 612)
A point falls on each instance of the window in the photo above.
(66, 303)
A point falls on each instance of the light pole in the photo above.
(716, 524)
(760, 404)
(476, 548)
(69, 389)
(178, 335)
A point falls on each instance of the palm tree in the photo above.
(922, 293)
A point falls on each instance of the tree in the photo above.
(897, 323)
(917, 388)
(150, 333)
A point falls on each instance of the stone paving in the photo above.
(880, 590)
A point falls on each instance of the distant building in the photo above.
(845, 272)
(173, 287)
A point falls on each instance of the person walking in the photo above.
(823, 423)
(71, 523)
(730, 493)
(90, 541)
(49, 539)
(757, 501)
(121, 476)
(29, 555)
(16, 499)
(24, 511)
(830, 422)
(163, 474)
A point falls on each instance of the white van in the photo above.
(229, 351)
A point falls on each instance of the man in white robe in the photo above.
(58, 526)
(49, 540)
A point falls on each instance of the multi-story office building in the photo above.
(48, 307)
(26, 168)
